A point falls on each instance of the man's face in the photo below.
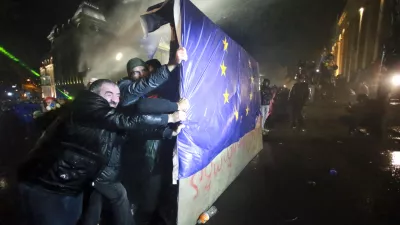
(138, 72)
(110, 92)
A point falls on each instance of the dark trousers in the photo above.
(115, 195)
(297, 116)
(149, 200)
(40, 207)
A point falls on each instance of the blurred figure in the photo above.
(266, 96)
(51, 104)
(363, 89)
(298, 97)
(153, 65)
(90, 82)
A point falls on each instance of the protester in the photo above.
(153, 65)
(78, 149)
(91, 81)
(266, 96)
(139, 82)
(298, 97)
(51, 104)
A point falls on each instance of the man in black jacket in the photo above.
(79, 147)
(298, 97)
(139, 82)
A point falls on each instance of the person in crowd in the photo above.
(298, 97)
(266, 96)
(80, 149)
(91, 81)
(363, 89)
(153, 65)
(51, 104)
(364, 116)
(139, 82)
(133, 90)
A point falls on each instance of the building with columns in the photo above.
(360, 32)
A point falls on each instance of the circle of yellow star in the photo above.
(236, 113)
(226, 96)
(252, 79)
(247, 110)
(251, 96)
(226, 44)
(223, 69)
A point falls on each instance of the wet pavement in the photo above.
(322, 177)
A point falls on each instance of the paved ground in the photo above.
(321, 177)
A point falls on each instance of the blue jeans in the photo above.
(41, 207)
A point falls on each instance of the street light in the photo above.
(361, 10)
(28, 80)
(396, 80)
(118, 56)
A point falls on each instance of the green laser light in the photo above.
(15, 59)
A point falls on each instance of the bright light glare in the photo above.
(9, 93)
(118, 56)
(317, 70)
(395, 158)
(396, 80)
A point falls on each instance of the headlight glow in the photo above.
(396, 80)
(395, 158)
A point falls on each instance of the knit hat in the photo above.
(132, 63)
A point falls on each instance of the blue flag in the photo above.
(221, 82)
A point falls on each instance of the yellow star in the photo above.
(247, 110)
(223, 69)
(251, 96)
(226, 96)
(249, 63)
(225, 44)
(252, 79)
(236, 113)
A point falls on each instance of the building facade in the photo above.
(85, 47)
(47, 78)
(72, 45)
(360, 33)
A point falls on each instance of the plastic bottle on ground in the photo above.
(205, 217)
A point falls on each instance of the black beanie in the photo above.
(132, 63)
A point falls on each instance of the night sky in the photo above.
(276, 32)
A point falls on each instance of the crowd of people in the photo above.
(279, 104)
(77, 167)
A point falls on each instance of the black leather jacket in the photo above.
(131, 91)
(75, 151)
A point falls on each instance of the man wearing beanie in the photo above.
(139, 82)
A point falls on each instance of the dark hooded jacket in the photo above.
(299, 93)
(78, 147)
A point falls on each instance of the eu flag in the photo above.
(221, 82)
